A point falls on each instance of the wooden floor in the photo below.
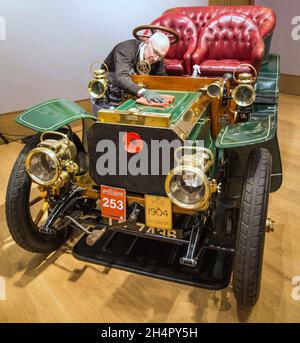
(59, 288)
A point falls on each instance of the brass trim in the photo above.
(182, 127)
(186, 123)
(133, 118)
(143, 67)
(270, 225)
(240, 66)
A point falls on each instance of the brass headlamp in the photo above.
(53, 161)
(97, 87)
(244, 94)
(187, 185)
(216, 89)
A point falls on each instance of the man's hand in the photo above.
(152, 96)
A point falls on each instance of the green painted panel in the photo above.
(247, 133)
(52, 115)
(267, 41)
(262, 125)
(175, 110)
(268, 78)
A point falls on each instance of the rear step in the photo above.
(156, 259)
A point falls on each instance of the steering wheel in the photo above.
(171, 34)
(243, 65)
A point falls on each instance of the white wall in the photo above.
(50, 44)
(286, 37)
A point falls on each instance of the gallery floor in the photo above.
(59, 288)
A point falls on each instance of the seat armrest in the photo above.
(187, 60)
(200, 55)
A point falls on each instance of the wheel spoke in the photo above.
(38, 217)
(43, 212)
(36, 200)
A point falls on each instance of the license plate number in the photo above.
(174, 233)
(158, 212)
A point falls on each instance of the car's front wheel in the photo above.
(26, 208)
(251, 228)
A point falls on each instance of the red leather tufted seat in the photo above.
(227, 41)
(263, 17)
(178, 59)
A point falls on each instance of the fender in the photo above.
(52, 115)
(262, 125)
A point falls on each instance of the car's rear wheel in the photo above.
(26, 209)
(251, 228)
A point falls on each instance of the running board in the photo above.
(157, 259)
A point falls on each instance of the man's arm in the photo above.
(124, 59)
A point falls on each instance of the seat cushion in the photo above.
(219, 67)
(174, 67)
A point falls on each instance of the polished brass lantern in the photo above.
(244, 94)
(97, 87)
(52, 163)
(216, 89)
(187, 185)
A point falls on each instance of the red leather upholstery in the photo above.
(263, 17)
(227, 41)
(178, 59)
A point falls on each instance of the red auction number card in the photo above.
(113, 202)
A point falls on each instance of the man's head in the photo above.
(156, 47)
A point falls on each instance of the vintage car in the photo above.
(177, 192)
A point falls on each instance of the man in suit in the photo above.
(122, 62)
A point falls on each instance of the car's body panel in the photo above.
(268, 77)
(237, 161)
(260, 131)
(247, 133)
(52, 115)
(262, 125)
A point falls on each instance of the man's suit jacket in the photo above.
(122, 59)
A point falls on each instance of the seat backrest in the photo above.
(229, 37)
(263, 17)
(186, 29)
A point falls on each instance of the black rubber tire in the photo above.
(250, 236)
(19, 221)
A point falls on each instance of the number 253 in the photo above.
(112, 203)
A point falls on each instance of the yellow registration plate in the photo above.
(158, 212)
